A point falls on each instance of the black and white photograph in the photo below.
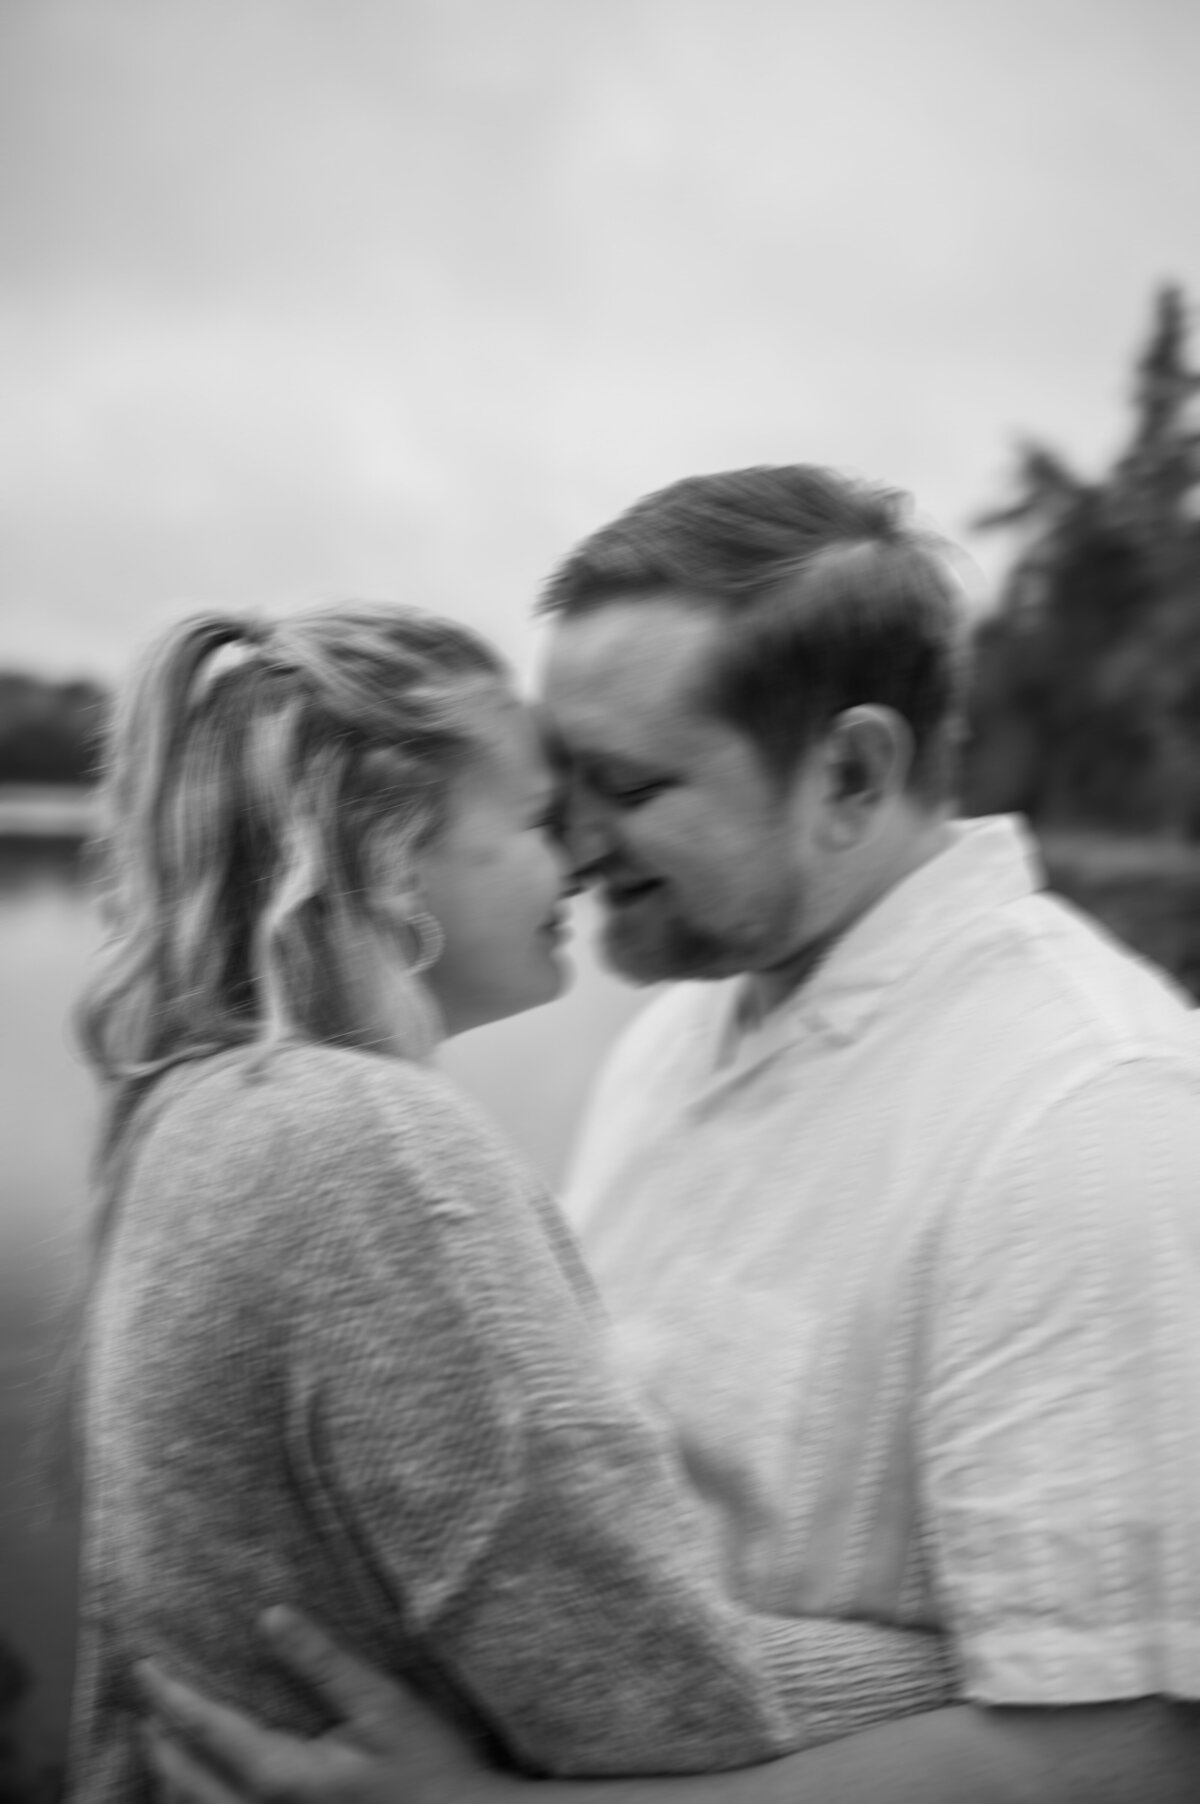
(599, 902)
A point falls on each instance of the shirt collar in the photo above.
(986, 863)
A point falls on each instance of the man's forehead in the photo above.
(554, 747)
(644, 662)
(511, 747)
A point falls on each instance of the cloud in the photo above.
(302, 301)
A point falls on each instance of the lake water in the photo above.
(532, 1073)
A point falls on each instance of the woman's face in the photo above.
(496, 879)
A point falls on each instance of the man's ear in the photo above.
(868, 754)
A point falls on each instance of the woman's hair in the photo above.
(266, 786)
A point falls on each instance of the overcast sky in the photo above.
(304, 299)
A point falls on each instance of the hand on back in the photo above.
(389, 1748)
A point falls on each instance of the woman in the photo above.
(341, 1347)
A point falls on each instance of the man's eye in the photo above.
(637, 794)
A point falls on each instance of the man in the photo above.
(894, 1198)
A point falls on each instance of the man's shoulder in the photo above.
(1039, 1007)
(1062, 972)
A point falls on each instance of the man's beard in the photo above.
(678, 950)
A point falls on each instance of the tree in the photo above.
(1155, 486)
(1156, 492)
(49, 732)
(1087, 698)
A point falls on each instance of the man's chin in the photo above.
(643, 959)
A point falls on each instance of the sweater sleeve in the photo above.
(526, 1521)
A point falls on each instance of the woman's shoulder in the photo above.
(317, 1149)
(361, 1085)
(335, 1105)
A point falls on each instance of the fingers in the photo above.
(381, 1717)
(236, 1746)
(179, 1778)
(371, 1707)
(389, 1743)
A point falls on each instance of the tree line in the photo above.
(50, 732)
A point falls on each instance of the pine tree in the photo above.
(1087, 706)
(1154, 488)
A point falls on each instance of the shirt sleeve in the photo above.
(1060, 1442)
(524, 1519)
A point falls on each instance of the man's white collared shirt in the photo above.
(912, 1269)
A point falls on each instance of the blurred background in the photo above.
(397, 298)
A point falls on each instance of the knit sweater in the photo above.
(344, 1354)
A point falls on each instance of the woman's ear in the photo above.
(868, 756)
(414, 930)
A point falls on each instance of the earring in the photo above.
(431, 941)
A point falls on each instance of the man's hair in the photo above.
(831, 598)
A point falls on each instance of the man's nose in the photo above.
(587, 834)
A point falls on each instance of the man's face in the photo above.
(697, 855)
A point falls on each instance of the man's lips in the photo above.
(624, 895)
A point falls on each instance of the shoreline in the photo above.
(47, 813)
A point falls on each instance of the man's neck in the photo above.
(765, 990)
